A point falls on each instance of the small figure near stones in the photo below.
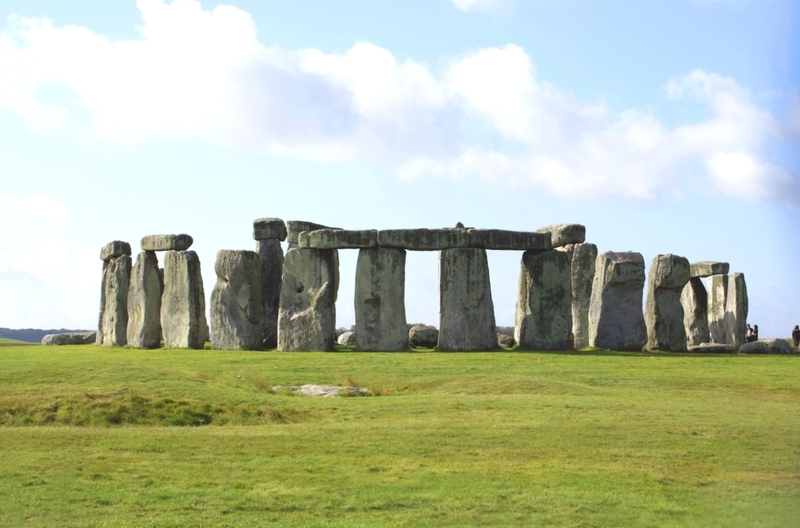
(796, 335)
(755, 332)
(749, 333)
(752, 333)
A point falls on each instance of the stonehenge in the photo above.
(380, 299)
(183, 305)
(543, 319)
(236, 319)
(694, 300)
(736, 307)
(144, 302)
(268, 234)
(582, 261)
(663, 314)
(112, 326)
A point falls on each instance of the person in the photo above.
(755, 333)
(749, 335)
(796, 335)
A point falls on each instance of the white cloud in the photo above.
(33, 207)
(485, 6)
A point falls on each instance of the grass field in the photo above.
(100, 437)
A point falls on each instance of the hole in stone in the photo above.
(300, 288)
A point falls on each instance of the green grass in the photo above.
(119, 437)
(5, 341)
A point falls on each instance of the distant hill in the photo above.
(33, 335)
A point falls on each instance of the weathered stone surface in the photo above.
(694, 300)
(323, 391)
(269, 228)
(506, 341)
(183, 304)
(113, 321)
(768, 346)
(144, 302)
(423, 336)
(114, 249)
(707, 269)
(544, 302)
(563, 234)
(166, 242)
(663, 311)
(271, 254)
(582, 262)
(508, 240)
(711, 348)
(347, 339)
(306, 321)
(338, 239)
(295, 227)
(236, 301)
(736, 308)
(380, 300)
(424, 239)
(616, 320)
(70, 338)
(466, 311)
(717, 298)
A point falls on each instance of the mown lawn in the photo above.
(100, 437)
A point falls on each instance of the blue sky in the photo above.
(664, 127)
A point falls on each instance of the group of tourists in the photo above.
(752, 333)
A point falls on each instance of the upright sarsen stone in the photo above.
(694, 300)
(663, 311)
(380, 300)
(183, 305)
(270, 254)
(466, 311)
(544, 304)
(736, 308)
(112, 328)
(616, 320)
(236, 301)
(306, 321)
(582, 262)
(144, 302)
(717, 298)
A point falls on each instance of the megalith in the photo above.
(616, 320)
(144, 302)
(268, 234)
(112, 328)
(563, 234)
(380, 300)
(183, 305)
(236, 301)
(306, 320)
(736, 308)
(717, 298)
(582, 261)
(544, 303)
(694, 300)
(466, 311)
(663, 310)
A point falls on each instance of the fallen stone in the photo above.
(711, 348)
(295, 227)
(380, 300)
(736, 308)
(270, 253)
(347, 339)
(269, 229)
(506, 341)
(663, 311)
(324, 391)
(582, 262)
(70, 338)
(306, 321)
(694, 300)
(543, 318)
(424, 239)
(563, 234)
(718, 296)
(768, 346)
(115, 249)
(236, 301)
(183, 305)
(616, 321)
(144, 302)
(423, 336)
(112, 329)
(338, 239)
(166, 242)
(508, 240)
(707, 269)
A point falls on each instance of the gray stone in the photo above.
(271, 254)
(563, 234)
(324, 391)
(508, 240)
(166, 242)
(295, 227)
(694, 300)
(582, 262)
(768, 346)
(338, 239)
(506, 341)
(114, 249)
(380, 300)
(717, 298)
(711, 348)
(183, 305)
(424, 239)
(544, 303)
(347, 339)
(466, 311)
(70, 338)
(306, 321)
(236, 301)
(112, 328)
(269, 228)
(736, 308)
(616, 320)
(707, 269)
(423, 336)
(144, 302)
(663, 313)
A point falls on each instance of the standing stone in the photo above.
(112, 328)
(736, 308)
(183, 305)
(380, 300)
(270, 254)
(582, 261)
(718, 296)
(544, 304)
(663, 311)
(144, 302)
(306, 320)
(466, 311)
(616, 320)
(236, 301)
(694, 300)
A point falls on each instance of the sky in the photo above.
(663, 127)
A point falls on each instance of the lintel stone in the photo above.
(707, 269)
(166, 242)
(424, 239)
(508, 240)
(563, 234)
(338, 239)
(269, 228)
(295, 227)
(115, 249)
